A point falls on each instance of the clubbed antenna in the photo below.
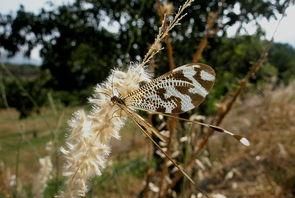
(240, 138)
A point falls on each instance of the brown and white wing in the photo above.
(177, 91)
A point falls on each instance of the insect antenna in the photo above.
(239, 138)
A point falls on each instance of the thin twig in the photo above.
(163, 32)
(209, 32)
(171, 122)
(162, 12)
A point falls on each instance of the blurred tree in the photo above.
(283, 57)
(234, 57)
(25, 96)
(83, 40)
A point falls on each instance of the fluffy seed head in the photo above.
(88, 142)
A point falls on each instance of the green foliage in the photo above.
(74, 98)
(52, 188)
(282, 56)
(79, 51)
(26, 89)
(233, 57)
(25, 97)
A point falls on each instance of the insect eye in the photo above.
(142, 83)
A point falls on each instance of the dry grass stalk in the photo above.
(209, 32)
(166, 9)
(211, 20)
(163, 32)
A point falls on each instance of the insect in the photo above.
(175, 92)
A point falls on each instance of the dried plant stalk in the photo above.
(163, 10)
(209, 32)
(211, 20)
(163, 32)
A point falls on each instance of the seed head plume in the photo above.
(88, 142)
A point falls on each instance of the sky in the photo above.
(285, 33)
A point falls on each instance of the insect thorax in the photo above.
(117, 100)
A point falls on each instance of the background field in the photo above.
(266, 169)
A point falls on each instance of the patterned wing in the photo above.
(177, 91)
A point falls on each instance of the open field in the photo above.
(265, 169)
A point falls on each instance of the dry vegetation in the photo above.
(265, 169)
